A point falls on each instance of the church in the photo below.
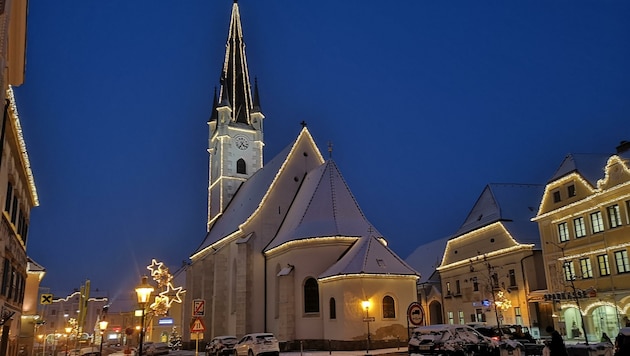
(287, 250)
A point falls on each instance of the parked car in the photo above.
(447, 339)
(258, 344)
(221, 346)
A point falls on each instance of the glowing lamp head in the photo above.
(144, 291)
(102, 325)
(68, 329)
(366, 304)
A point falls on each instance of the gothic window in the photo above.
(333, 308)
(240, 166)
(389, 307)
(311, 296)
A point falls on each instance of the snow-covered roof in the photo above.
(426, 258)
(323, 207)
(588, 165)
(512, 204)
(245, 201)
(369, 256)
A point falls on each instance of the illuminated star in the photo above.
(155, 267)
(170, 297)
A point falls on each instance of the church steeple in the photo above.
(235, 141)
(235, 75)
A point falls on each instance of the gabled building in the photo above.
(584, 222)
(17, 187)
(493, 262)
(288, 249)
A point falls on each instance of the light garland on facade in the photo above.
(67, 298)
(308, 241)
(348, 276)
(593, 209)
(22, 146)
(615, 159)
(592, 252)
(596, 193)
(473, 234)
(556, 185)
(600, 303)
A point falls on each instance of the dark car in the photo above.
(221, 346)
(447, 339)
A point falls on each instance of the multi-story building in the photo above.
(17, 187)
(584, 223)
(494, 260)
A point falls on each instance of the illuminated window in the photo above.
(241, 168)
(311, 296)
(579, 227)
(563, 232)
(585, 268)
(389, 307)
(569, 271)
(614, 218)
(518, 316)
(604, 267)
(333, 308)
(461, 317)
(450, 318)
(597, 222)
(556, 196)
(448, 288)
(621, 260)
(571, 190)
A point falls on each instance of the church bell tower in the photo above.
(235, 144)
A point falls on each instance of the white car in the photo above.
(258, 344)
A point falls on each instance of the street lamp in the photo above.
(102, 325)
(68, 332)
(366, 305)
(566, 268)
(143, 291)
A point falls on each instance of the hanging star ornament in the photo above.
(169, 293)
(155, 267)
(172, 294)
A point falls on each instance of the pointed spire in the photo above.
(235, 76)
(215, 102)
(256, 96)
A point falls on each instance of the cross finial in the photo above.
(370, 230)
(303, 123)
(330, 149)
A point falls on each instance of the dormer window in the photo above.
(556, 196)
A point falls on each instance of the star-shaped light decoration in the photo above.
(166, 292)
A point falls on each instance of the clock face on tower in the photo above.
(241, 142)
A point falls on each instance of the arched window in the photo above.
(311, 296)
(333, 308)
(240, 166)
(389, 307)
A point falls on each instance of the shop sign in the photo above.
(579, 293)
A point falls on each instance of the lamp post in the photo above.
(567, 268)
(143, 291)
(366, 306)
(68, 332)
(102, 325)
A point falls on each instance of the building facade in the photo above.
(493, 262)
(288, 250)
(584, 222)
(17, 187)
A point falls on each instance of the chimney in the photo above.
(623, 146)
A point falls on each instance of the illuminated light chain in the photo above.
(367, 275)
(310, 240)
(473, 234)
(169, 294)
(614, 159)
(272, 188)
(502, 302)
(556, 185)
(592, 208)
(601, 303)
(91, 299)
(22, 146)
(595, 194)
(593, 252)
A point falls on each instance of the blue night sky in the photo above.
(425, 102)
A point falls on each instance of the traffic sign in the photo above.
(197, 326)
(199, 307)
(46, 298)
(369, 319)
(415, 314)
